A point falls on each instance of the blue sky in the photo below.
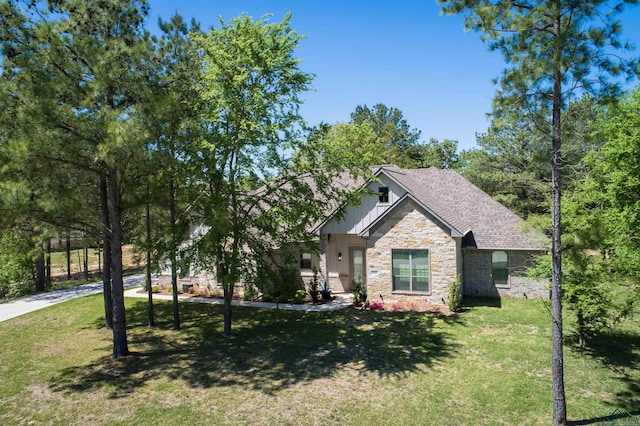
(401, 53)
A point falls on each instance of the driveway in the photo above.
(33, 303)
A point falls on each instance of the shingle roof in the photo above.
(466, 208)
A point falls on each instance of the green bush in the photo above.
(314, 285)
(454, 301)
(359, 291)
(170, 289)
(289, 282)
(17, 268)
(250, 292)
(299, 296)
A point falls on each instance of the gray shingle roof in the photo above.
(466, 208)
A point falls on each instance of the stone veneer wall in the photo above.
(408, 228)
(479, 283)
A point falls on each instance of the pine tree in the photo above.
(554, 50)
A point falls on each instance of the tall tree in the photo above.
(172, 126)
(78, 70)
(395, 136)
(554, 49)
(249, 106)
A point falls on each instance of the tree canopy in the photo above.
(395, 136)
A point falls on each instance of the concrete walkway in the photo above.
(33, 303)
(132, 283)
(342, 301)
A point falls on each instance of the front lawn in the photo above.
(489, 366)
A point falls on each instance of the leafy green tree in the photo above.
(512, 164)
(443, 155)
(553, 49)
(249, 104)
(341, 143)
(593, 294)
(617, 173)
(395, 136)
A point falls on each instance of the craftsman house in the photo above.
(421, 228)
(413, 233)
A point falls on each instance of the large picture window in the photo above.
(410, 270)
(500, 268)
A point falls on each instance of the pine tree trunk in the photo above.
(85, 262)
(68, 255)
(106, 255)
(120, 345)
(149, 284)
(47, 265)
(40, 273)
(174, 292)
(557, 356)
(174, 268)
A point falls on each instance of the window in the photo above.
(305, 260)
(383, 194)
(410, 270)
(500, 268)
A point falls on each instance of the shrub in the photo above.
(267, 298)
(325, 291)
(314, 285)
(359, 291)
(250, 292)
(170, 289)
(289, 282)
(155, 289)
(17, 268)
(299, 296)
(454, 301)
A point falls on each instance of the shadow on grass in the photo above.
(269, 351)
(616, 417)
(619, 351)
(489, 302)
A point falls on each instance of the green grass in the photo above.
(489, 366)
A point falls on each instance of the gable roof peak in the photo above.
(465, 207)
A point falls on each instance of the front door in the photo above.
(357, 264)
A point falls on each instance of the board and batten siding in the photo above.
(357, 218)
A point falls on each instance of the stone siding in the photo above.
(478, 281)
(408, 228)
